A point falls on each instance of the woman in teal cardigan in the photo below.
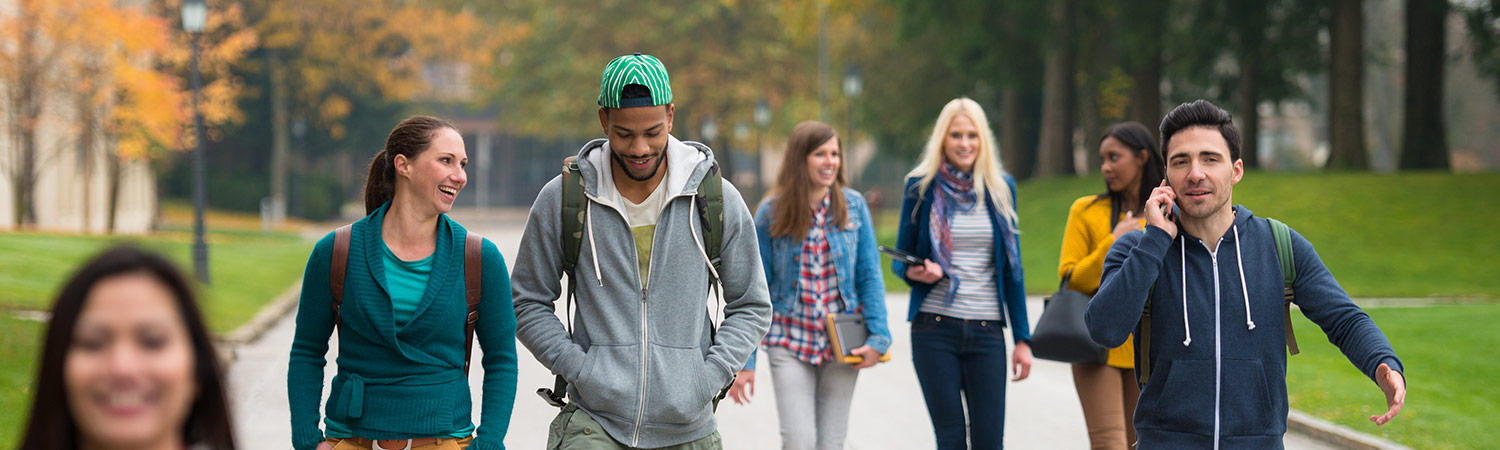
(401, 379)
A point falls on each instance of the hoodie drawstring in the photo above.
(588, 212)
(701, 251)
(1244, 291)
(1186, 329)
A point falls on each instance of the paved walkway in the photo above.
(888, 412)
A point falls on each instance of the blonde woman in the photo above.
(958, 212)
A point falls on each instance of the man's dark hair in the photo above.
(1200, 113)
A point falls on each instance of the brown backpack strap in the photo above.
(473, 282)
(340, 266)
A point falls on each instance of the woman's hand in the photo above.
(743, 387)
(1021, 361)
(871, 357)
(1126, 225)
(929, 272)
(324, 446)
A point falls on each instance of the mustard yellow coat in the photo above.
(1086, 241)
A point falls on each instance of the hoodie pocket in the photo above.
(680, 387)
(1186, 403)
(607, 383)
(1246, 400)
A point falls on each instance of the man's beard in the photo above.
(626, 167)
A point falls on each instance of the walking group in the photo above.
(670, 287)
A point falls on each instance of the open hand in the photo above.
(1126, 225)
(743, 387)
(929, 272)
(1394, 385)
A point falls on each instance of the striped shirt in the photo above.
(974, 265)
(802, 332)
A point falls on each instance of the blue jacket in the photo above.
(916, 237)
(1216, 374)
(856, 261)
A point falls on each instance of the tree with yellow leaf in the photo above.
(320, 52)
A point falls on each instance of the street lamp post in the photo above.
(762, 118)
(853, 85)
(193, 12)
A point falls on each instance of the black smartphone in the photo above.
(900, 255)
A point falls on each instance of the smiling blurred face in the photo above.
(638, 138)
(129, 370)
(1201, 173)
(823, 165)
(436, 176)
(961, 144)
(1121, 165)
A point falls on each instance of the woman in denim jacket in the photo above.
(818, 248)
(959, 211)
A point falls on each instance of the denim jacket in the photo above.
(856, 261)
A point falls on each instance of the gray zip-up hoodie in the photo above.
(642, 362)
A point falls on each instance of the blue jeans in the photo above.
(956, 357)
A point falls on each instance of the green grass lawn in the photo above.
(1418, 234)
(247, 270)
(1451, 393)
(19, 349)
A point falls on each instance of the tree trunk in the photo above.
(1247, 98)
(1346, 123)
(28, 101)
(1145, 93)
(88, 121)
(1424, 141)
(112, 161)
(1055, 149)
(1017, 159)
(280, 140)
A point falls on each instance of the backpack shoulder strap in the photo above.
(473, 287)
(711, 214)
(340, 267)
(573, 209)
(1283, 236)
(574, 212)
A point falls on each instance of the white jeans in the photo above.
(811, 401)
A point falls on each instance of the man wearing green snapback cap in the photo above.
(644, 363)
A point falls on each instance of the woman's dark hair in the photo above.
(793, 216)
(1138, 138)
(52, 425)
(1200, 113)
(410, 138)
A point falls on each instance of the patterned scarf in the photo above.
(955, 193)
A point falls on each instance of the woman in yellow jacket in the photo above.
(1131, 168)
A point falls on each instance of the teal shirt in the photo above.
(401, 382)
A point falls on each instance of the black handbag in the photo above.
(1061, 335)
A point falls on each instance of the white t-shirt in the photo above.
(642, 219)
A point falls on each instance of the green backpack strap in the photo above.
(1284, 256)
(711, 220)
(574, 212)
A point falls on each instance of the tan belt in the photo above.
(394, 444)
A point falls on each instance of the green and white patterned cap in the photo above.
(644, 70)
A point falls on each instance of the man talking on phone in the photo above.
(1211, 287)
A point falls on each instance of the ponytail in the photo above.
(380, 184)
(410, 138)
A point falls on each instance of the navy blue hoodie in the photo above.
(1218, 353)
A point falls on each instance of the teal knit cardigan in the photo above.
(407, 382)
